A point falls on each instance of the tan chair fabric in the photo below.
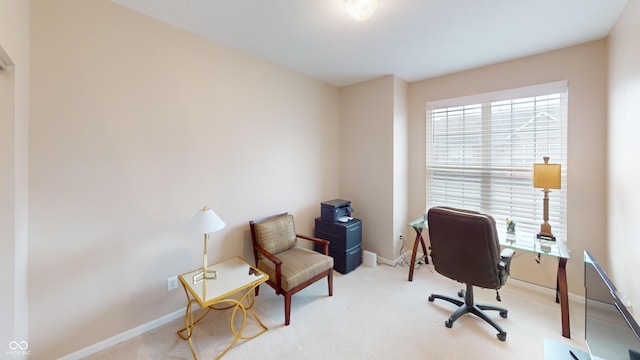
(298, 265)
(276, 235)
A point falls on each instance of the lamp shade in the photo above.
(546, 176)
(204, 222)
(361, 10)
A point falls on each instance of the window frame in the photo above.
(526, 198)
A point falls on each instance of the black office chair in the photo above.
(465, 248)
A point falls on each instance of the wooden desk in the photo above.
(234, 276)
(418, 225)
(519, 241)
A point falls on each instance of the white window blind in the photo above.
(481, 150)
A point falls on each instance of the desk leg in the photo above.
(424, 249)
(419, 240)
(562, 292)
(413, 253)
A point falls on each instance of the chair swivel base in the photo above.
(468, 306)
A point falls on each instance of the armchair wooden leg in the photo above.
(330, 280)
(287, 308)
(257, 290)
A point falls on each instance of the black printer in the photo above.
(336, 210)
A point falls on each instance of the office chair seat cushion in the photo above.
(276, 235)
(298, 265)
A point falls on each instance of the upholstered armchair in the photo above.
(290, 267)
(465, 248)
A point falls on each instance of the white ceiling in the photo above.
(413, 39)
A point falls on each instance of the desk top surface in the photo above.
(519, 241)
(233, 275)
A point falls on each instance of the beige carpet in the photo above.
(375, 313)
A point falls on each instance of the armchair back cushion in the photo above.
(276, 235)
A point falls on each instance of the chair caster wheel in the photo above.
(431, 298)
(503, 314)
(448, 323)
(502, 336)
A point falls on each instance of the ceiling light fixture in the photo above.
(361, 10)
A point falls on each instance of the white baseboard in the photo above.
(399, 259)
(124, 336)
(385, 261)
(551, 291)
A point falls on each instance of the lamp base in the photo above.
(547, 237)
(545, 228)
(205, 275)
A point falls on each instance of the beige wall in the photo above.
(7, 202)
(366, 165)
(400, 165)
(374, 161)
(135, 125)
(624, 169)
(584, 67)
(14, 110)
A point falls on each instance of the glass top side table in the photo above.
(233, 288)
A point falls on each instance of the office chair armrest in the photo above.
(505, 259)
(504, 265)
(507, 253)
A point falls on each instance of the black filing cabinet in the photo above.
(345, 242)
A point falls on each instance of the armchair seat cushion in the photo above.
(298, 265)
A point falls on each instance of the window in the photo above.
(481, 150)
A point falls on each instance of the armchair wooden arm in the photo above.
(323, 242)
(274, 259)
(278, 264)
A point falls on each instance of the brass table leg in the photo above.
(189, 322)
(249, 297)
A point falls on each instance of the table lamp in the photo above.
(205, 222)
(546, 176)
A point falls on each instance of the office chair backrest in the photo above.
(465, 246)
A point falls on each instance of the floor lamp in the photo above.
(205, 222)
(546, 176)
